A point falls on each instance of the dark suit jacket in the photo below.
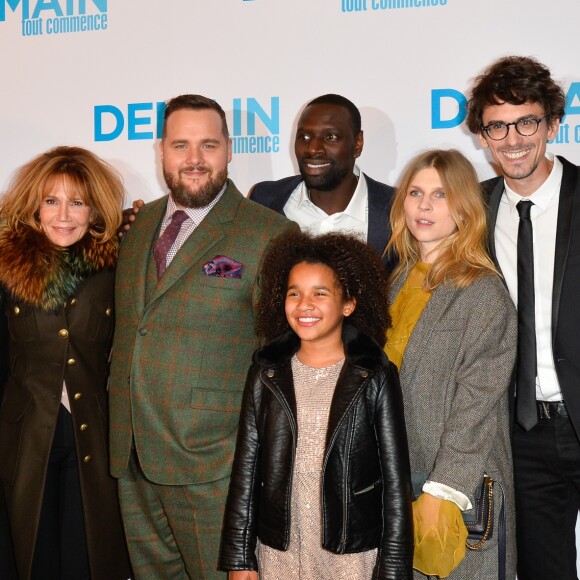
(566, 290)
(275, 194)
(183, 345)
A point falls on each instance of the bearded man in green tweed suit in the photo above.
(183, 343)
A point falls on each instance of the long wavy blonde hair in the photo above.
(88, 176)
(462, 257)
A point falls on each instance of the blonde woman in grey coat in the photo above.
(454, 341)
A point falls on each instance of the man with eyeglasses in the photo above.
(534, 239)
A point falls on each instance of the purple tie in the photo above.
(164, 242)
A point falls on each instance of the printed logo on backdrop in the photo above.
(369, 5)
(47, 17)
(449, 109)
(254, 126)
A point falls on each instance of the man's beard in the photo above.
(326, 181)
(184, 196)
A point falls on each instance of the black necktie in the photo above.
(526, 411)
(164, 242)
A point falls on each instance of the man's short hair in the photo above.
(332, 99)
(515, 80)
(195, 103)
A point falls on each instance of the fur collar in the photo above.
(37, 272)
(361, 350)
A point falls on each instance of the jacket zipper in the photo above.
(327, 454)
(365, 490)
(284, 405)
(345, 481)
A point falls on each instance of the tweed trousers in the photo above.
(173, 531)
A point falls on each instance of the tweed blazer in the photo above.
(455, 376)
(275, 194)
(183, 346)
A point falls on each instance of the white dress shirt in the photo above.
(354, 219)
(544, 216)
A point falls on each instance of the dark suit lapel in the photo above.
(568, 194)
(280, 199)
(379, 229)
(493, 207)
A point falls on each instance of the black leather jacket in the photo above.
(366, 491)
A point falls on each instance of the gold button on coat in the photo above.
(84, 427)
(73, 301)
(109, 311)
(71, 362)
(87, 458)
(63, 332)
(16, 310)
(78, 396)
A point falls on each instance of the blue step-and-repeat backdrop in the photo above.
(95, 73)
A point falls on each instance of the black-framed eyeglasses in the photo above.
(526, 127)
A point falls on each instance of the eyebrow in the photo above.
(186, 141)
(295, 287)
(530, 116)
(322, 129)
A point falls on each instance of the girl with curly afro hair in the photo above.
(320, 484)
(358, 274)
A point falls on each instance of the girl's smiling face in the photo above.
(314, 305)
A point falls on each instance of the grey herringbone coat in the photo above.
(455, 376)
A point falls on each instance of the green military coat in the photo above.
(70, 343)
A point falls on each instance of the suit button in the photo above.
(364, 374)
(16, 310)
(71, 362)
(109, 311)
(78, 396)
(63, 332)
(87, 459)
(142, 331)
(270, 373)
(73, 301)
(84, 427)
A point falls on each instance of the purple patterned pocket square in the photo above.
(223, 267)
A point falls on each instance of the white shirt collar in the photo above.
(355, 209)
(542, 197)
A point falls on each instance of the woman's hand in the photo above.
(243, 575)
(440, 535)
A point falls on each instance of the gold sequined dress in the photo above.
(305, 558)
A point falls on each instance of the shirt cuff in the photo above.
(442, 491)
